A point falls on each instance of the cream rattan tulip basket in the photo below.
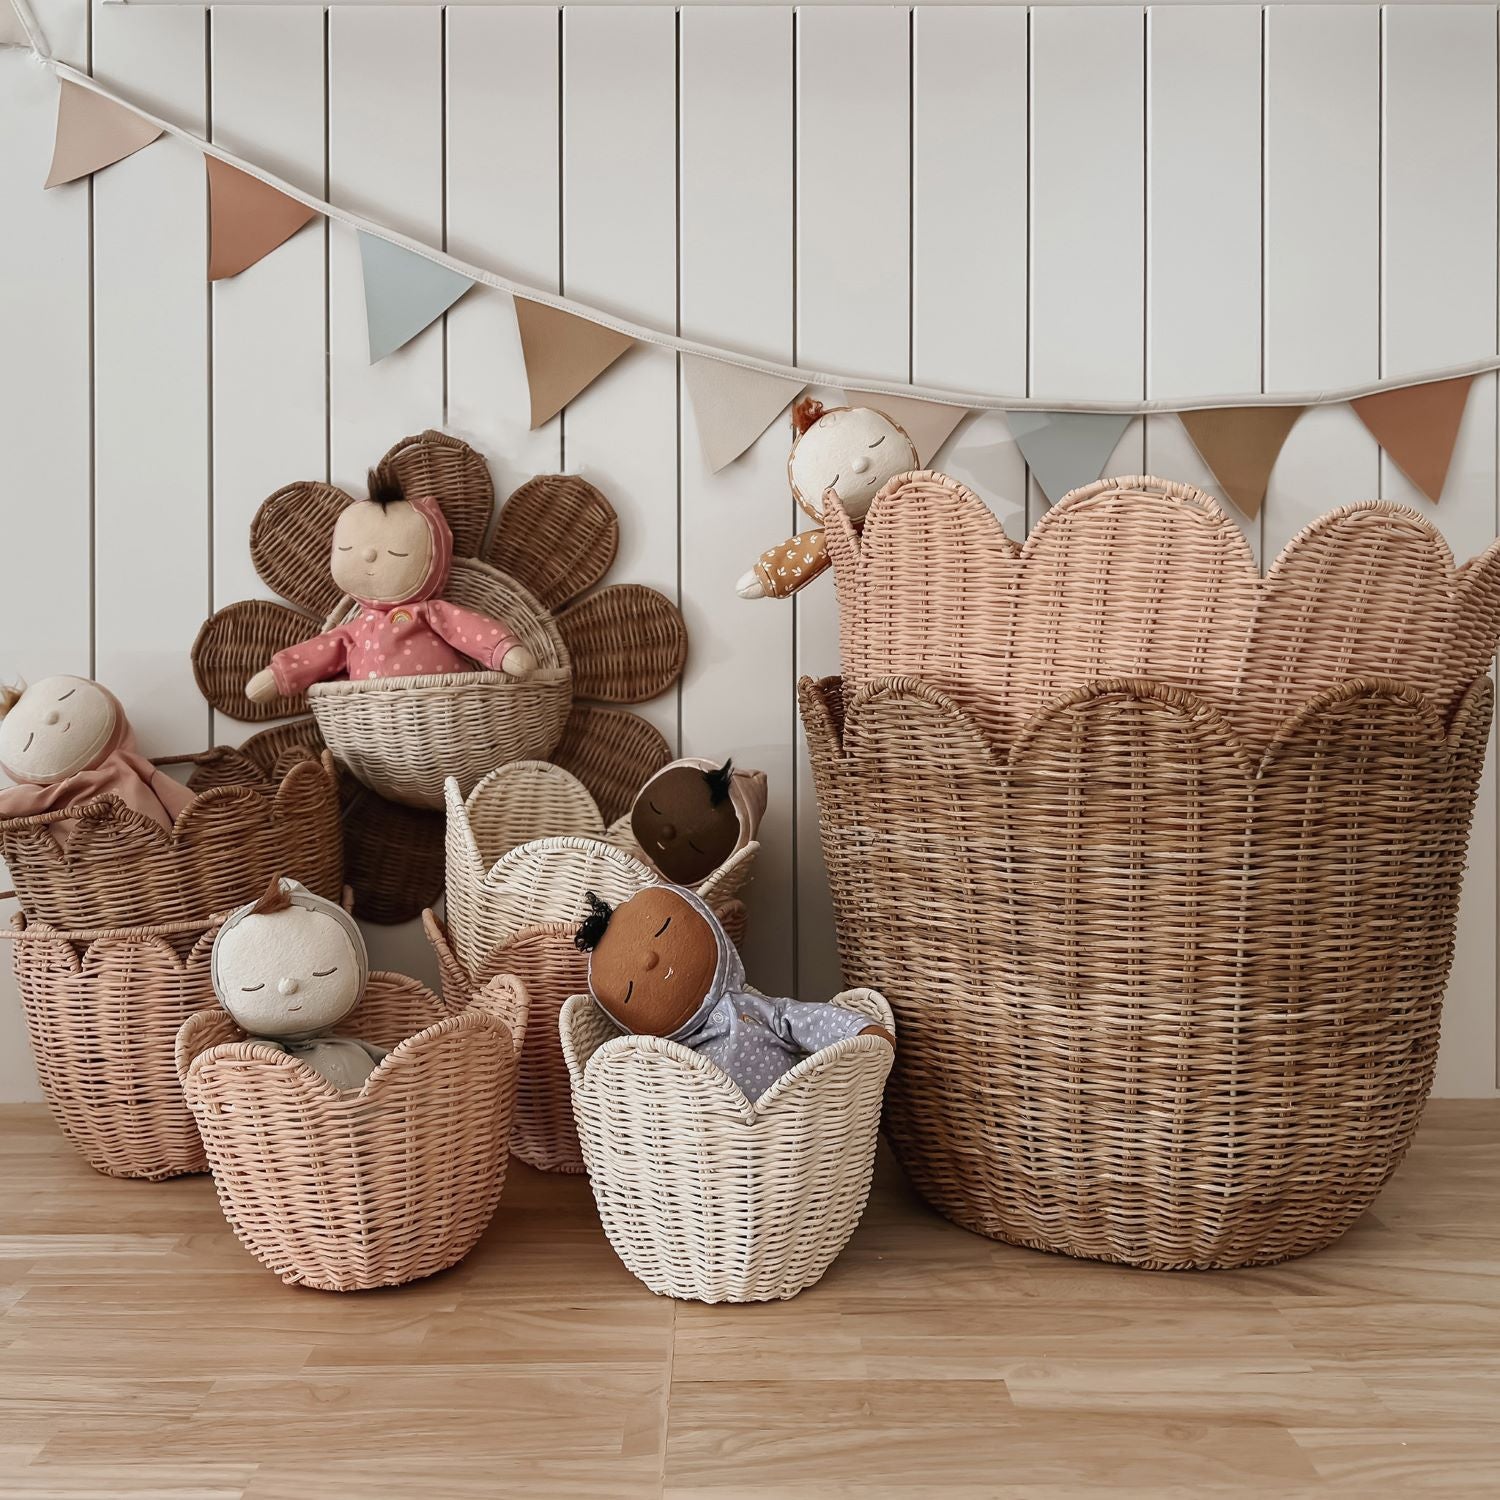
(705, 1195)
(1157, 860)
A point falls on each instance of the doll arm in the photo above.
(810, 1027)
(482, 639)
(298, 667)
(786, 567)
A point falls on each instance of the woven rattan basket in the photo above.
(705, 1195)
(1158, 861)
(348, 1191)
(119, 869)
(102, 1013)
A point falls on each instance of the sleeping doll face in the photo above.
(382, 554)
(654, 963)
(57, 728)
(853, 451)
(686, 822)
(288, 966)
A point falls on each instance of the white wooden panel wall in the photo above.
(1111, 200)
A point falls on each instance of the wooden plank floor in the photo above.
(143, 1353)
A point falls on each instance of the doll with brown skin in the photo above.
(692, 815)
(392, 554)
(661, 965)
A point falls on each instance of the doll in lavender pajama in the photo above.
(661, 965)
(392, 554)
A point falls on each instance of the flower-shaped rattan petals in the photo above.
(290, 541)
(1476, 626)
(628, 643)
(393, 855)
(558, 535)
(453, 474)
(525, 800)
(235, 643)
(613, 753)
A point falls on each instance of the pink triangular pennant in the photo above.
(928, 424)
(92, 133)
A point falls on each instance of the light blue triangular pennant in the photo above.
(404, 292)
(1066, 449)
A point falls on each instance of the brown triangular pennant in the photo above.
(93, 132)
(247, 219)
(1240, 444)
(1418, 426)
(928, 424)
(563, 353)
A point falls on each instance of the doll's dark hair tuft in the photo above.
(273, 899)
(805, 413)
(591, 929)
(385, 485)
(718, 783)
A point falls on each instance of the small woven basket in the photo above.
(705, 1195)
(118, 869)
(349, 1191)
(102, 1013)
(404, 736)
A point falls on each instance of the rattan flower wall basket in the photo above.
(118, 869)
(517, 913)
(368, 1188)
(102, 1012)
(399, 738)
(1158, 861)
(705, 1195)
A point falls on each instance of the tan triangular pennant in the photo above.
(732, 406)
(563, 353)
(93, 132)
(928, 424)
(12, 32)
(1240, 444)
(247, 219)
(1418, 426)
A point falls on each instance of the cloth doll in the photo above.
(692, 815)
(66, 741)
(661, 965)
(392, 554)
(851, 450)
(289, 967)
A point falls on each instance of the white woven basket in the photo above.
(706, 1196)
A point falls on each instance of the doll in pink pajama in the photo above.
(392, 553)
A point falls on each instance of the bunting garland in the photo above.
(566, 345)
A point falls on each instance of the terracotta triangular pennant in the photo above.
(564, 354)
(1418, 426)
(247, 219)
(732, 406)
(1066, 449)
(92, 133)
(1241, 444)
(404, 293)
(929, 424)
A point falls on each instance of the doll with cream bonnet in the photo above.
(392, 554)
(661, 965)
(854, 451)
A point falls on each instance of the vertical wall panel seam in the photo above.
(796, 825)
(677, 308)
(443, 174)
(209, 334)
(562, 204)
(1146, 467)
(327, 252)
(93, 391)
(1260, 520)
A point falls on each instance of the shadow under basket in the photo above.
(103, 1010)
(705, 1195)
(375, 1187)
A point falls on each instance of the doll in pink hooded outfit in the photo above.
(392, 554)
(65, 741)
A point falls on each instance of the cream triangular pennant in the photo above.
(247, 219)
(1066, 449)
(1418, 426)
(928, 424)
(1241, 444)
(404, 293)
(92, 133)
(732, 406)
(563, 353)
(12, 32)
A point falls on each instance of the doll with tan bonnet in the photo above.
(692, 815)
(392, 554)
(853, 451)
(661, 965)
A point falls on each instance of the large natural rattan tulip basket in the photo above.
(1158, 861)
(102, 1013)
(375, 1187)
(705, 1195)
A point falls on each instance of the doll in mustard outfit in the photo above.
(392, 554)
(853, 451)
